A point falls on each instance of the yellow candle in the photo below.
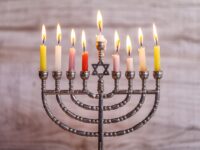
(43, 59)
(156, 50)
(141, 50)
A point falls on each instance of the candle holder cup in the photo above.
(100, 96)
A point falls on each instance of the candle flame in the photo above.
(128, 45)
(58, 36)
(140, 36)
(83, 40)
(44, 36)
(117, 41)
(73, 37)
(155, 35)
(99, 21)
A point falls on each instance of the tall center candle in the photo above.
(100, 37)
(129, 60)
(115, 56)
(58, 50)
(72, 52)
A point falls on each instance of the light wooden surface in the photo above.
(24, 124)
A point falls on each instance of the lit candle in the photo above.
(58, 50)
(115, 56)
(156, 50)
(43, 57)
(141, 50)
(129, 60)
(72, 52)
(100, 37)
(84, 53)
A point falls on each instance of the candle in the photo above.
(156, 50)
(129, 60)
(141, 50)
(58, 50)
(43, 59)
(72, 52)
(100, 37)
(84, 53)
(116, 58)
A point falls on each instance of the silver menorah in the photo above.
(100, 96)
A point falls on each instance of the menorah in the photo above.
(100, 95)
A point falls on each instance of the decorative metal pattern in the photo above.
(105, 121)
(100, 95)
(96, 108)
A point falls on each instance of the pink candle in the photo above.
(116, 62)
(72, 52)
(116, 58)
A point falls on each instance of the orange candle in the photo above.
(85, 61)
(85, 53)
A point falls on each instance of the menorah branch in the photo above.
(143, 76)
(96, 108)
(105, 121)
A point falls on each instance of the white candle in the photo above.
(129, 60)
(72, 52)
(100, 38)
(129, 64)
(116, 57)
(141, 50)
(58, 50)
(142, 59)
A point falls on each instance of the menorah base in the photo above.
(100, 96)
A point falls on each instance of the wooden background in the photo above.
(23, 122)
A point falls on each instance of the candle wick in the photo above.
(117, 49)
(83, 48)
(100, 30)
(129, 53)
(58, 42)
(141, 44)
(156, 42)
(43, 41)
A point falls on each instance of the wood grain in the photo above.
(24, 124)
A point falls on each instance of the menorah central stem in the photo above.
(100, 90)
(101, 48)
(100, 126)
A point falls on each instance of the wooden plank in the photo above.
(24, 124)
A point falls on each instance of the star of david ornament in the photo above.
(104, 71)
